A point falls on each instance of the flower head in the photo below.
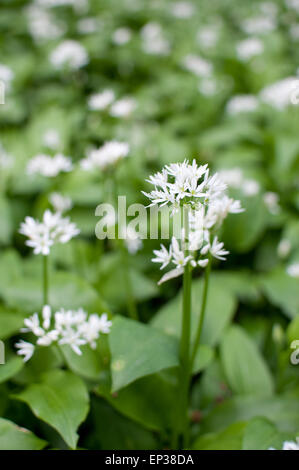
(106, 156)
(43, 235)
(72, 327)
(69, 53)
(49, 166)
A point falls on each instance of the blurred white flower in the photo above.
(6, 76)
(294, 31)
(153, 40)
(271, 200)
(88, 25)
(49, 166)
(259, 25)
(42, 25)
(107, 155)
(72, 327)
(279, 93)
(293, 269)
(69, 53)
(60, 203)
(284, 248)
(25, 349)
(51, 139)
(100, 101)
(292, 5)
(288, 445)
(249, 48)
(122, 36)
(132, 240)
(251, 187)
(6, 160)
(208, 86)
(241, 104)
(208, 36)
(43, 235)
(198, 65)
(182, 10)
(123, 107)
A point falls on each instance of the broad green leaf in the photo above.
(61, 400)
(282, 290)
(220, 308)
(13, 437)
(229, 439)
(245, 368)
(112, 430)
(203, 358)
(260, 434)
(282, 410)
(293, 330)
(138, 350)
(10, 368)
(88, 365)
(150, 401)
(10, 323)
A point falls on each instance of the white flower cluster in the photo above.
(242, 104)
(197, 65)
(121, 36)
(279, 94)
(52, 230)
(121, 108)
(288, 445)
(42, 25)
(48, 166)
(6, 160)
(72, 327)
(6, 75)
(235, 178)
(153, 40)
(106, 156)
(293, 270)
(70, 54)
(191, 186)
(60, 203)
(249, 48)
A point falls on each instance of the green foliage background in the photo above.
(245, 392)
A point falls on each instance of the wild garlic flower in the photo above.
(106, 156)
(6, 75)
(234, 178)
(51, 139)
(132, 240)
(279, 94)
(288, 445)
(100, 101)
(241, 104)
(153, 40)
(284, 248)
(121, 36)
(293, 270)
(52, 230)
(249, 48)
(197, 65)
(60, 203)
(6, 160)
(182, 10)
(48, 166)
(123, 107)
(72, 327)
(181, 183)
(70, 54)
(207, 205)
(259, 25)
(42, 25)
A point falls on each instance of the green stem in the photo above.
(131, 305)
(45, 280)
(202, 312)
(184, 372)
